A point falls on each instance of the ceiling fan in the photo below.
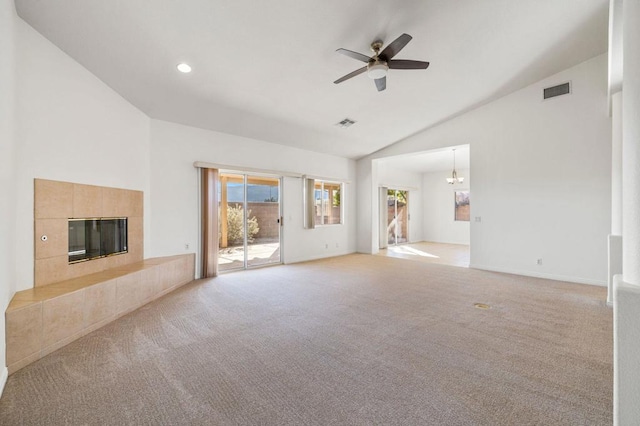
(378, 64)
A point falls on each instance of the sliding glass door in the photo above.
(263, 205)
(397, 216)
(249, 218)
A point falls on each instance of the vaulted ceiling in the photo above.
(265, 69)
(437, 160)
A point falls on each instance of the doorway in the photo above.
(249, 212)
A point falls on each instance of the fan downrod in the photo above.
(376, 46)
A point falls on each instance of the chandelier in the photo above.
(454, 175)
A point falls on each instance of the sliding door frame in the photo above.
(383, 216)
(245, 202)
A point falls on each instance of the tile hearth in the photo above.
(46, 318)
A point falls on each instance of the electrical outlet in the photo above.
(186, 246)
(326, 246)
(539, 262)
(478, 218)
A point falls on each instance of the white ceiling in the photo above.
(265, 69)
(439, 160)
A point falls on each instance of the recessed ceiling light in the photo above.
(185, 68)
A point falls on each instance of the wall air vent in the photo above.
(347, 122)
(559, 90)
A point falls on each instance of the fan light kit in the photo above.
(184, 68)
(454, 175)
(377, 70)
(378, 64)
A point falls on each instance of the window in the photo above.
(323, 203)
(462, 210)
(327, 203)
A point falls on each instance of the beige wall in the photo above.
(56, 202)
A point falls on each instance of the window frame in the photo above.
(313, 201)
(319, 185)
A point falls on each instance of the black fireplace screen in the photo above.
(96, 237)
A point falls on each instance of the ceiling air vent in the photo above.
(559, 90)
(347, 122)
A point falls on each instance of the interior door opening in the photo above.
(249, 212)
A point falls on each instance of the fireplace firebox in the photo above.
(93, 238)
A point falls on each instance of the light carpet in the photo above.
(354, 340)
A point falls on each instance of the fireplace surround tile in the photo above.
(128, 291)
(53, 199)
(23, 362)
(100, 302)
(61, 343)
(43, 319)
(55, 202)
(136, 203)
(116, 203)
(38, 294)
(136, 227)
(24, 332)
(51, 269)
(150, 284)
(57, 237)
(71, 300)
(81, 269)
(62, 317)
(167, 277)
(87, 201)
(122, 260)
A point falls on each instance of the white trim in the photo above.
(555, 277)
(383, 217)
(319, 256)
(310, 202)
(253, 170)
(281, 202)
(326, 179)
(242, 169)
(3, 379)
(455, 243)
(398, 187)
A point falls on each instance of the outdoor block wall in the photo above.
(266, 214)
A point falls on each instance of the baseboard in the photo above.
(317, 257)
(3, 379)
(556, 277)
(457, 243)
